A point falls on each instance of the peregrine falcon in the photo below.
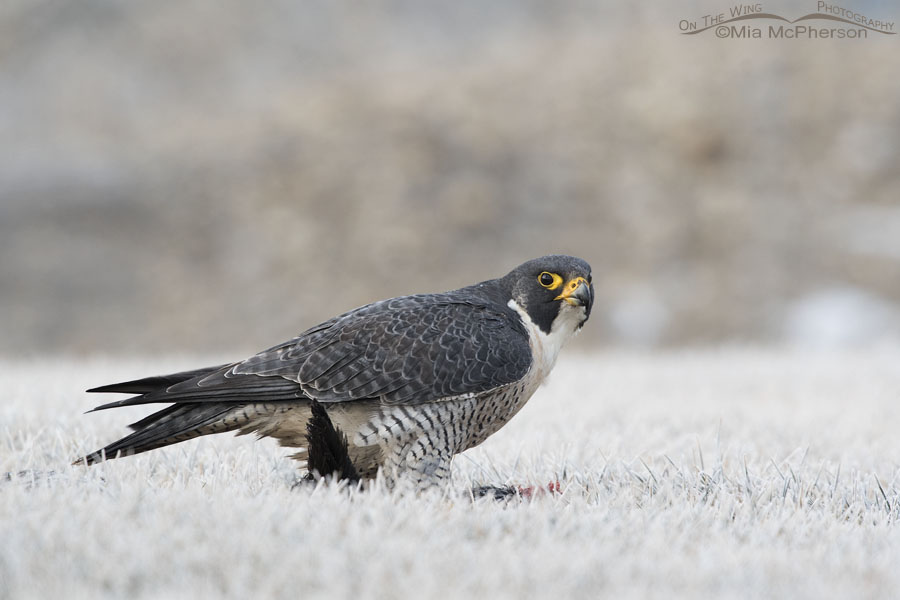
(411, 381)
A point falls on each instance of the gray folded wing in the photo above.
(405, 350)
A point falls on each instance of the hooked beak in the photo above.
(577, 292)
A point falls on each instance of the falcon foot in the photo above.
(504, 492)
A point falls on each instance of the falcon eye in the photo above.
(551, 281)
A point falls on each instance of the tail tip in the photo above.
(90, 459)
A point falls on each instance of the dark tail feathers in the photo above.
(172, 424)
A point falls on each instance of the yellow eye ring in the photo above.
(551, 281)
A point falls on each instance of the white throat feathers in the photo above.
(545, 347)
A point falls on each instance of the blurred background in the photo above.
(217, 176)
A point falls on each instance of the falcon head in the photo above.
(554, 291)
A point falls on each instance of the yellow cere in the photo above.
(571, 287)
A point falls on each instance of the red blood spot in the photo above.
(530, 491)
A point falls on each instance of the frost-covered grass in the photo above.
(714, 474)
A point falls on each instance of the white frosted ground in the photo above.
(713, 474)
